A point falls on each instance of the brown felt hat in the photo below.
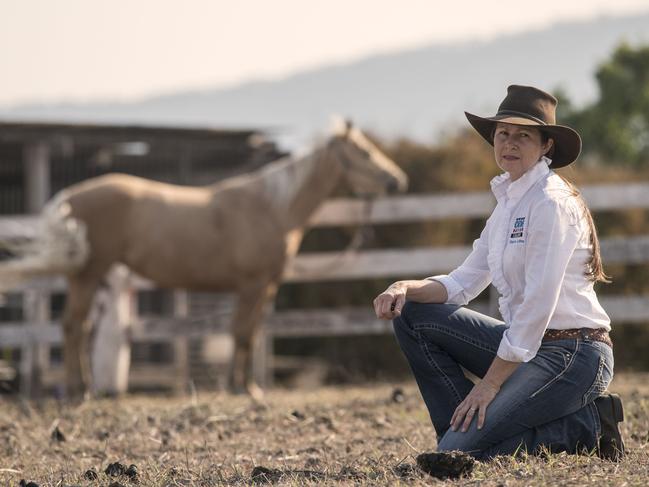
(526, 105)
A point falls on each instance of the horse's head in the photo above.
(368, 170)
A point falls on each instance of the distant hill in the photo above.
(419, 93)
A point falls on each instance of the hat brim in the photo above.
(567, 142)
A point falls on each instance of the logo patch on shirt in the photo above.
(517, 232)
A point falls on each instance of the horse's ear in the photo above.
(341, 126)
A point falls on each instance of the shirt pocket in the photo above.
(603, 377)
(553, 360)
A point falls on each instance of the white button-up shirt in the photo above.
(534, 248)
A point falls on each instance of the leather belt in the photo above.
(594, 334)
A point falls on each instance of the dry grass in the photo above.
(333, 436)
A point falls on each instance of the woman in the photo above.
(544, 369)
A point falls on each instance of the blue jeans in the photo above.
(546, 404)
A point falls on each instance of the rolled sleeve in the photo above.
(453, 289)
(512, 353)
(551, 240)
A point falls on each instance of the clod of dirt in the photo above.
(398, 395)
(102, 435)
(298, 415)
(91, 474)
(312, 462)
(326, 421)
(446, 465)
(166, 436)
(405, 471)
(265, 475)
(131, 473)
(350, 473)
(24, 483)
(115, 469)
(57, 435)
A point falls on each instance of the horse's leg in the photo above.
(76, 334)
(245, 329)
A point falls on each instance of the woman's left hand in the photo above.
(475, 402)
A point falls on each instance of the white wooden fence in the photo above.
(37, 332)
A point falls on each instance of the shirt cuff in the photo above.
(453, 289)
(512, 353)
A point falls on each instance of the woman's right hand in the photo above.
(389, 303)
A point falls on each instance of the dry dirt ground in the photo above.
(335, 436)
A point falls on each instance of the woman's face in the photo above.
(517, 148)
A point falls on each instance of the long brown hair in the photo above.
(594, 268)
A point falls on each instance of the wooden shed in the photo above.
(39, 159)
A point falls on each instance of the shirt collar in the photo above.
(503, 188)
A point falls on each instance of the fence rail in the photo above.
(413, 208)
(344, 266)
(291, 323)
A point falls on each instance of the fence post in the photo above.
(111, 348)
(181, 343)
(35, 357)
(262, 351)
(37, 176)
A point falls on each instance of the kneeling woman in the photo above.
(545, 368)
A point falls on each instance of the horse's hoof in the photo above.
(255, 392)
(74, 396)
(235, 388)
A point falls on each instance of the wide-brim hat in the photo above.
(529, 106)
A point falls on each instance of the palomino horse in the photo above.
(235, 235)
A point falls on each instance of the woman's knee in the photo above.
(402, 328)
(413, 313)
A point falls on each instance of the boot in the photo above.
(611, 446)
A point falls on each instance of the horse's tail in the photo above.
(57, 245)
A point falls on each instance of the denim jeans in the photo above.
(546, 404)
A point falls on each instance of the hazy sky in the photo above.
(54, 50)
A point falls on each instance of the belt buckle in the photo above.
(586, 333)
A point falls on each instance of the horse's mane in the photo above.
(282, 179)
